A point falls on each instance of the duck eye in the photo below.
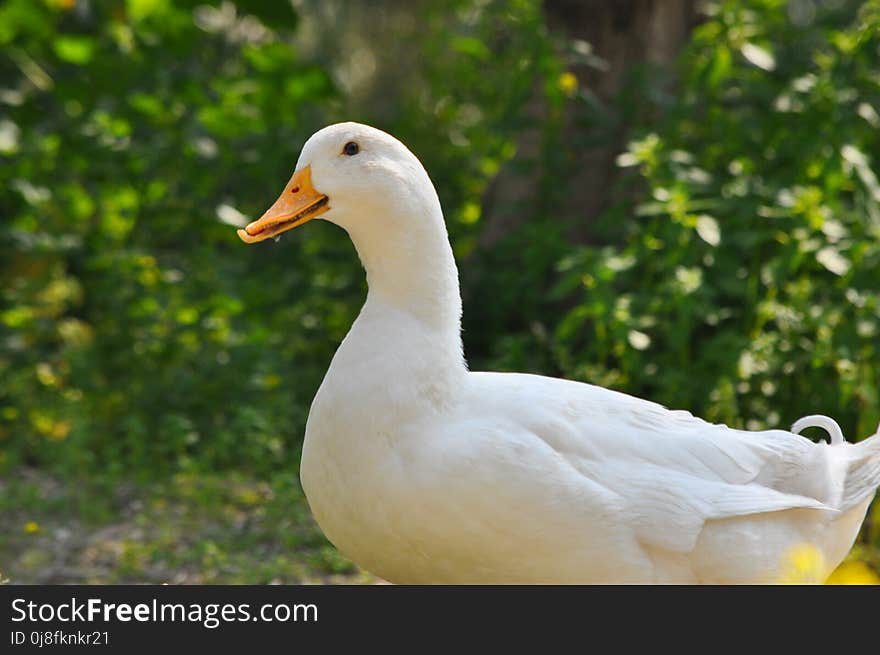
(351, 148)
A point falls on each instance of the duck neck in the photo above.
(411, 270)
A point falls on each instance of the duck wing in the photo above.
(672, 471)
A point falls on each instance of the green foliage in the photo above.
(746, 288)
(138, 333)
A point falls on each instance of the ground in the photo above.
(192, 529)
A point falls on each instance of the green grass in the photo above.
(191, 529)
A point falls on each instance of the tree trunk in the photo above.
(623, 34)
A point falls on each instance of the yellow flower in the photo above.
(567, 83)
(31, 527)
(803, 564)
(854, 573)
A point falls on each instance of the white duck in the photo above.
(423, 472)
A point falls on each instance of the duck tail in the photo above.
(863, 470)
(863, 476)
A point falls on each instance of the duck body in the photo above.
(421, 471)
(511, 478)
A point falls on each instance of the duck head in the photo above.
(348, 173)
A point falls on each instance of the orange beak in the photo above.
(298, 203)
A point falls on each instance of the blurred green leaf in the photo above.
(74, 49)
